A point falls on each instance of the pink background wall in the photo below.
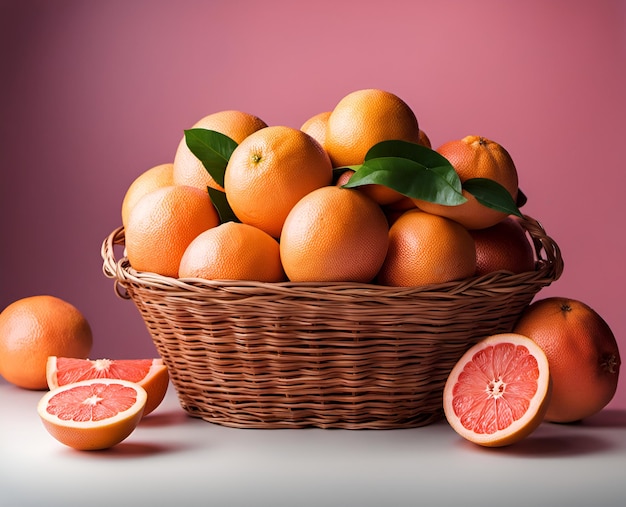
(94, 93)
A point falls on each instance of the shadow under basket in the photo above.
(327, 355)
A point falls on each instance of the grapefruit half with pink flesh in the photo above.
(151, 374)
(498, 392)
(93, 414)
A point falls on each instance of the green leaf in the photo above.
(338, 171)
(221, 205)
(491, 194)
(213, 149)
(408, 177)
(427, 157)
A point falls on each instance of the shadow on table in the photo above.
(159, 419)
(607, 418)
(572, 439)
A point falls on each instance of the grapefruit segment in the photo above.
(93, 414)
(498, 392)
(151, 374)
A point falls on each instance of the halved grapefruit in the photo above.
(498, 392)
(151, 374)
(92, 414)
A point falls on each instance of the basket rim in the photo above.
(549, 267)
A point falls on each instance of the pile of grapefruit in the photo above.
(356, 194)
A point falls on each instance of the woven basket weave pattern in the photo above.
(343, 355)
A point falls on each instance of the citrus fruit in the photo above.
(163, 223)
(426, 249)
(476, 157)
(334, 234)
(155, 177)
(316, 127)
(498, 392)
(92, 414)
(503, 246)
(364, 118)
(151, 374)
(270, 171)
(233, 251)
(423, 139)
(583, 355)
(35, 327)
(188, 169)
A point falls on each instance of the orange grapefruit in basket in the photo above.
(334, 234)
(188, 169)
(499, 390)
(92, 414)
(503, 246)
(364, 118)
(427, 249)
(233, 251)
(151, 374)
(476, 157)
(163, 223)
(270, 171)
(583, 355)
(315, 126)
(155, 177)
(35, 327)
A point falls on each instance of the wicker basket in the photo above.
(341, 355)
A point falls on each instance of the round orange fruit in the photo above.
(188, 169)
(423, 139)
(155, 177)
(427, 249)
(163, 223)
(503, 246)
(35, 327)
(476, 157)
(334, 234)
(316, 127)
(364, 118)
(583, 355)
(498, 392)
(270, 171)
(233, 251)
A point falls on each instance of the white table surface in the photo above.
(174, 460)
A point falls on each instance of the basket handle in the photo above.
(111, 266)
(548, 252)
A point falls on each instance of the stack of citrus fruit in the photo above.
(324, 202)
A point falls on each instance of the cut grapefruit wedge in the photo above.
(498, 392)
(93, 414)
(151, 374)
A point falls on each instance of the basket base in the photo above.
(295, 421)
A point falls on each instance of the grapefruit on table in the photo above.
(150, 374)
(92, 414)
(499, 390)
(583, 355)
(35, 327)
